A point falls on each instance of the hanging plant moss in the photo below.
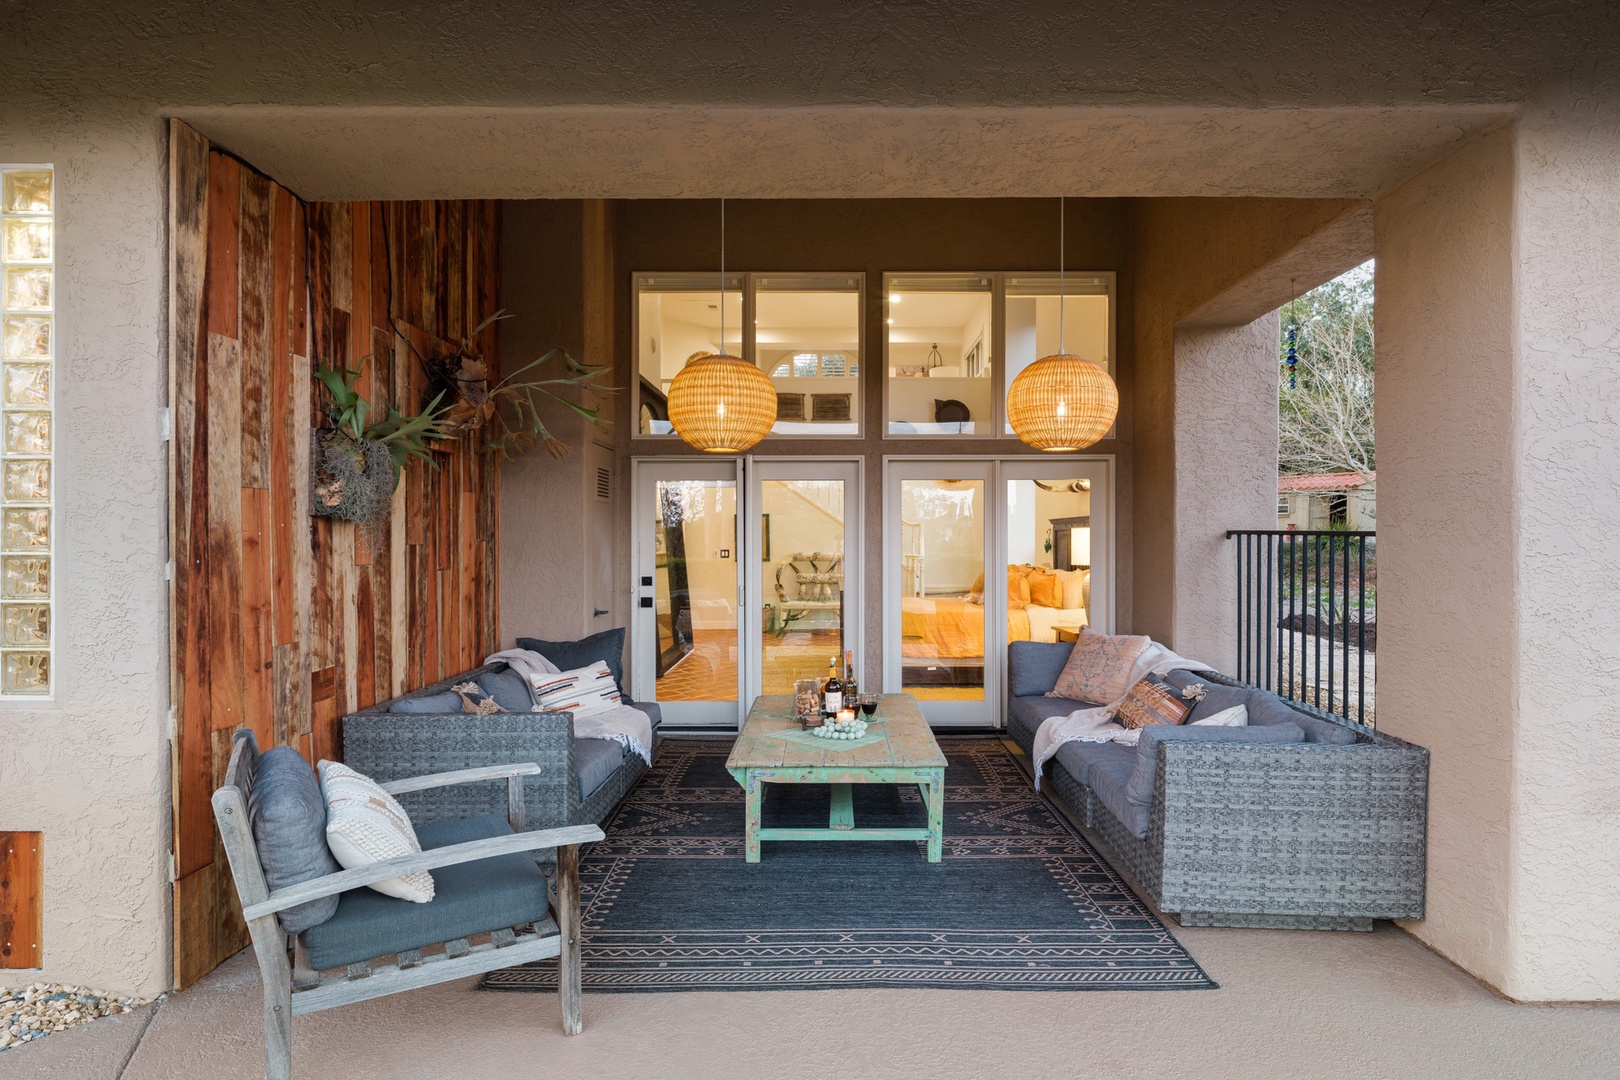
(355, 465)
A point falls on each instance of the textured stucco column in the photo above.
(90, 769)
(1499, 372)
(1226, 473)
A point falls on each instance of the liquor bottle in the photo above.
(852, 692)
(832, 691)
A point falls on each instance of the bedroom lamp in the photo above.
(1062, 402)
(1080, 547)
(720, 403)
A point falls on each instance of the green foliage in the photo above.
(406, 437)
(1327, 416)
(518, 427)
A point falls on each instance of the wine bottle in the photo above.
(832, 691)
(851, 690)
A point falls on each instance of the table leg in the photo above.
(936, 816)
(752, 794)
(842, 816)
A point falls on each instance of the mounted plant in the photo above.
(356, 464)
(506, 414)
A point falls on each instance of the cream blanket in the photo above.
(1097, 725)
(629, 727)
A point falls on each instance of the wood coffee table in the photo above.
(897, 749)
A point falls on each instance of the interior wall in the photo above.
(284, 622)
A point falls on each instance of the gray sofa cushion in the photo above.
(1107, 779)
(1146, 768)
(1033, 667)
(288, 817)
(654, 713)
(1217, 698)
(1266, 708)
(1080, 757)
(594, 762)
(608, 646)
(428, 704)
(509, 689)
(468, 899)
(1026, 714)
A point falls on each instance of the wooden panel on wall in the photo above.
(22, 884)
(283, 622)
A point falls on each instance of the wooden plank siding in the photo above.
(22, 888)
(280, 621)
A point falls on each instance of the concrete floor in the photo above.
(1291, 1004)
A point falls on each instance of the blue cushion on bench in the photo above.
(1025, 715)
(1146, 768)
(1108, 778)
(608, 647)
(468, 899)
(288, 817)
(1266, 708)
(509, 689)
(1033, 667)
(428, 704)
(1079, 757)
(594, 761)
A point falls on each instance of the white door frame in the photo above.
(645, 474)
(848, 469)
(1099, 469)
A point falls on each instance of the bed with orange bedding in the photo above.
(952, 627)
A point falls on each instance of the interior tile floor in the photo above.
(1291, 1004)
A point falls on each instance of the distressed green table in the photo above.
(898, 750)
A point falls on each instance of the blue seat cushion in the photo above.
(509, 689)
(594, 761)
(1033, 667)
(472, 898)
(429, 704)
(1108, 778)
(288, 817)
(1080, 757)
(1025, 715)
(608, 647)
(1146, 769)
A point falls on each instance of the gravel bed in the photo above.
(34, 1011)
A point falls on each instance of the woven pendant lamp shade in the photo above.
(722, 404)
(1062, 402)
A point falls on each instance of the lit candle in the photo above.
(846, 716)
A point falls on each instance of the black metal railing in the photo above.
(1307, 616)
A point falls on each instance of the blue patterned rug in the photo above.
(1020, 902)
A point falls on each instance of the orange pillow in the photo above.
(1045, 590)
(978, 586)
(1017, 589)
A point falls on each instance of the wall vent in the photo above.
(604, 484)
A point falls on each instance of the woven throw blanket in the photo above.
(630, 728)
(1098, 725)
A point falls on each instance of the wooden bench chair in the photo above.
(388, 928)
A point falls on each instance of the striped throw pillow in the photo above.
(582, 691)
(1153, 701)
(365, 824)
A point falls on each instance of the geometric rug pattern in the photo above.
(1019, 902)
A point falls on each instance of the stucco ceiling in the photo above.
(330, 153)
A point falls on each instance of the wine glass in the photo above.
(868, 703)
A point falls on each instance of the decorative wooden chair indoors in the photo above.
(502, 900)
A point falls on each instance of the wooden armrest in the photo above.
(454, 855)
(461, 776)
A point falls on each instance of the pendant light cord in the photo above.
(1062, 250)
(722, 276)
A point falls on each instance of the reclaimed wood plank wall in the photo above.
(283, 622)
(22, 917)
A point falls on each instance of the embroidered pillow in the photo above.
(1017, 589)
(1099, 668)
(1153, 701)
(476, 700)
(1044, 588)
(365, 824)
(583, 691)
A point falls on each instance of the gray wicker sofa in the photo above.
(580, 780)
(1297, 821)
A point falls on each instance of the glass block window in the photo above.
(27, 349)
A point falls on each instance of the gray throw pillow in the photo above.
(608, 647)
(289, 826)
(1217, 698)
(430, 704)
(509, 689)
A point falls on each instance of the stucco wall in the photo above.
(1448, 579)
(91, 768)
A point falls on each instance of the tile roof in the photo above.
(1339, 481)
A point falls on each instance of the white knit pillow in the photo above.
(1236, 716)
(365, 824)
(582, 691)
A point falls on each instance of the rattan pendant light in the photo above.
(721, 403)
(1063, 402)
